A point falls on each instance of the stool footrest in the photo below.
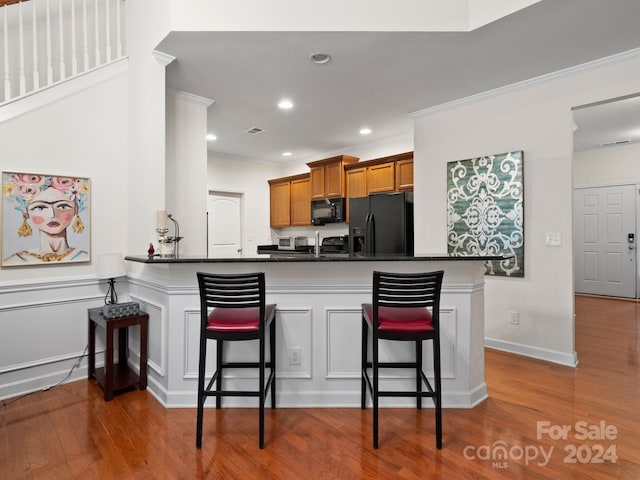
(231, 393)
(408, 393)
(396, 365)
(238, 393)
(244, 365)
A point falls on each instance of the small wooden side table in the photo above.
(113, 378)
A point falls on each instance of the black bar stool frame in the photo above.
(239, 313)
(406, 307)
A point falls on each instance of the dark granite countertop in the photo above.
(293, 257)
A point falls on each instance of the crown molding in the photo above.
(162, 58)
(191, 97)
(549, 77)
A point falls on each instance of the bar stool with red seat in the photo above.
(233, 308)
(405, 308)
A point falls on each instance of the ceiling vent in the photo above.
(254, 130)
(617, 142)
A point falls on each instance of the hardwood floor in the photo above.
(69, 432)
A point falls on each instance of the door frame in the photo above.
(243, 227)
(637, 227)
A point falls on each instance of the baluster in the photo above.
(74, 54)
(7, 76)
(84, 35)
(118, 34)
(108, 29)
(14, 43)
(49, 66)
(97, 28)
(22, 80)
(36, 73)
(63, 70)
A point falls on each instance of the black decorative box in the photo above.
(116, 310)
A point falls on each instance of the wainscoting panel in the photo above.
(294, 330)
(44, 332)
(344, 326)
(156, 335)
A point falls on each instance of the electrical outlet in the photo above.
(295, 354)
(514, 318)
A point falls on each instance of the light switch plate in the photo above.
(553, 239)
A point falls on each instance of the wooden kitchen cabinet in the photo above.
(381, 178)
(301, 201)
(317, 182)
(328, 178)
(356, 185)
(404, 175)
(356, 180)
(386, 174)
(280, 202)
(290, 201)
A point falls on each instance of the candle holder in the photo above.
(168, 245)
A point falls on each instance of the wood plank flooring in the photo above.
(69, 432)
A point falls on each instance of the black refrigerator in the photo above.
(381, 224)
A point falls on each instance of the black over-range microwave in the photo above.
(327, 210)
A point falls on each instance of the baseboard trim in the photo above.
(553, 356)
(336, 399)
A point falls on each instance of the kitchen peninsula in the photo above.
(318, 331)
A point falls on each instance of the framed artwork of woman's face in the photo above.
(46, 219)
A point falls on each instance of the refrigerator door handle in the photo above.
(370, 241)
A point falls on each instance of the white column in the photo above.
(186, 168)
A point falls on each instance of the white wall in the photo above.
(43, 309)
(85, 135)
(111, 129)
(607, 166)
(355, 15)
(534, 117)
(250, 179)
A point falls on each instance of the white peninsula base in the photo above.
(318, 329)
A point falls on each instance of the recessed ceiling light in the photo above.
(365, 131)
(211, 137)
(286, 154)
(319, 58)
(285, 104)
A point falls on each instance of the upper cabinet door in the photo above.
(381, 178)
(356, 180)
(404, 175)
(317, 182)
(301, 201)
(334, 180)
(280, 204)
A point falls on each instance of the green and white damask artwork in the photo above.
(485, 210)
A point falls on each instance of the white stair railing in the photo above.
(49, 41)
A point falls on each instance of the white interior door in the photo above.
(604, 240)
(224, 229)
